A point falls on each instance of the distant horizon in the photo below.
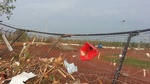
(112, 36)
(67, 33)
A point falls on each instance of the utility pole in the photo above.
(122, 29)
(46, 26)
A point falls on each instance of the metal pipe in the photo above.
(116, 76)
(52, 47)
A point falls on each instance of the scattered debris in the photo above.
(33, 40)
(120, 55)
(99, 55)
(88, 52)
(148, 55)
(46, 69)
(124, 74)
(114, 63)
(17, 63)
(74, 55)
(7, 43)
(77, 81)
(144, 72)
(42, 70)
(71, 68)
(21, 78)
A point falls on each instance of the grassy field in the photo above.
(130, 61)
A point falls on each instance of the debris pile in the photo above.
(42, 70)
(50, 70)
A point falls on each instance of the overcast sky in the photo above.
(80, 16)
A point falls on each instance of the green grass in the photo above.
(130, 61)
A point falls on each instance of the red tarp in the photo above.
(88, 52)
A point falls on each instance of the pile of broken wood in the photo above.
(46, 70)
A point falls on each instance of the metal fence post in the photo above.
(116, 76)
(53, 46)
(62, 36)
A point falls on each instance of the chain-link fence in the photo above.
(122, 57)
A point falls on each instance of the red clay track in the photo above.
(96, 71)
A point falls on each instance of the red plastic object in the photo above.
(88, 52)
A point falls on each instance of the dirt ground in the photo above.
(95, 71)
